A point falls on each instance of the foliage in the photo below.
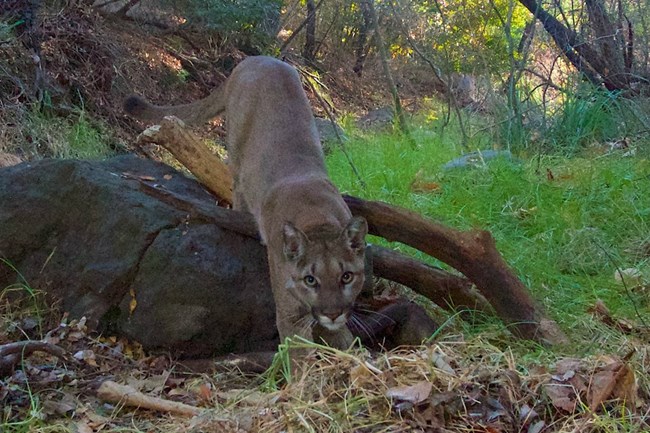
(251, 22)
(468, 35)
(66, 138)
(565, 224)
(586, 116)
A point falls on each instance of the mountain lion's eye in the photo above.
(310, 280)
(347, 277)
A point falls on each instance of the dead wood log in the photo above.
(180, 142)
(445, 289)
(473, 253)
(115, 393)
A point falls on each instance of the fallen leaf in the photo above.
(549, 174)
(566, 365)
(615, 380)
(523, 213)
(88, 356)
(96, 421)
(151, 385)
(413, 394)
(620, 144)
(204, 391)
(57, 408)
(600, 310)
(441, 363)
(527, 413)
(562, 396)
(537, 427)
(426, 187)
(419, 184)
(82, 426)
(133, 303)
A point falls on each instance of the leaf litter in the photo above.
(449, 386)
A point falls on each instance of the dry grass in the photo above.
(457, 385)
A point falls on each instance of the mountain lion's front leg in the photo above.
(292, 318)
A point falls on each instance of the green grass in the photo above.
(564, 237)
(19, 300)
(72, 137)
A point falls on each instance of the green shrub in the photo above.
(59, 137)
(252, 23)
(585, 116)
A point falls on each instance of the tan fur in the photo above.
(280, 177)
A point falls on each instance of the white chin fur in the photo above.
(332, 325)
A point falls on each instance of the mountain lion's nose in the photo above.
(333, 315)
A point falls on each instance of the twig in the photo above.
(115, 393)
(300, 27)
(12, 353)
(30, 346)
(628, 293)
(339, 139)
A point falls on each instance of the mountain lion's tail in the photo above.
(193, 113)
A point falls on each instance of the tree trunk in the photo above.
(610, 43)
(383, 56)
(308, 51)
(362, 39)
(596, 66)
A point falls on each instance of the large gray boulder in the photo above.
(89, 235)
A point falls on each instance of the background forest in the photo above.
(528, 119)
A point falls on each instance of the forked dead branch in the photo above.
(473, 253)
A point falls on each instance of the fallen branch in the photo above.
(172, 135)
(112, 392)
(474, 254)
(12, 353)
(443, 288)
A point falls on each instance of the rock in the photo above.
(377, 119)
(478, 159)
(327, 131)
(88, 235)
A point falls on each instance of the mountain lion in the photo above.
(315, 247)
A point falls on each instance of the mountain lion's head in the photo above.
(325, 270)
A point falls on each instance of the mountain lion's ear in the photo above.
(294, 242)
(355, 234)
